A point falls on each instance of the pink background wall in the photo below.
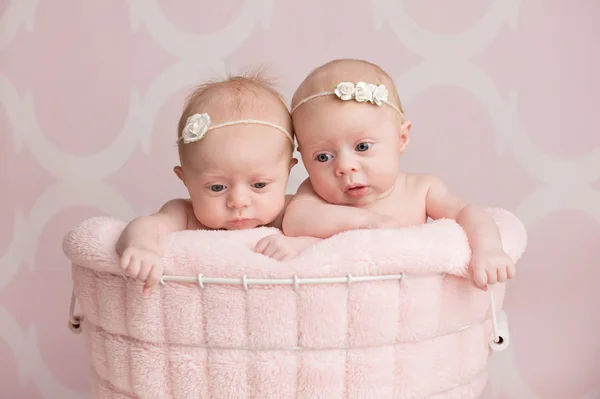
(503, 95)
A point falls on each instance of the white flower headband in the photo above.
(198, 125)
(361, 92)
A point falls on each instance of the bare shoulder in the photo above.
(424, 182)
(277, 222)
(178, 213)
(306, 192)
(440, 202)
(176, 206)
(305, 187)
(288, 199)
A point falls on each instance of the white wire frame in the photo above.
(75, 322)
(294, 281)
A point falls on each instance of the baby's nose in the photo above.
(346, 165)
(238, 199)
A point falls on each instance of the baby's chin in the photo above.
(248, 227)
(243, 224)
(341, 198)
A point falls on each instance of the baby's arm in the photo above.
(489, 262)
(138, 243)
(281, 247)
(308, 215)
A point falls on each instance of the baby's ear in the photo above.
(179, 172)
(404, 132)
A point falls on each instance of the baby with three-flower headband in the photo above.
(351, 132)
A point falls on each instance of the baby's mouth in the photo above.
(241, 222)
(356, 190)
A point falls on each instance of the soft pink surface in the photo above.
(385, 338)
(508, 118)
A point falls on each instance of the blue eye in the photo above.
(363, 146)
(217, 187)
(323, 157)
(259, 185)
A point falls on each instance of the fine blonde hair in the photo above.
(232, 92)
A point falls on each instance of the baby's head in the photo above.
(351, 131)
(235, 148)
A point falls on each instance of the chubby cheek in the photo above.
(316, 172)
(268, 207)
(322, 179)
(327, 188)
(384, 167)
(209, 212)
(324, 187)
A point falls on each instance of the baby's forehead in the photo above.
(241, 141)
(233, 164)
(319, 135)
(343, 122)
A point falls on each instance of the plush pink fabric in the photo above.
(370, 340)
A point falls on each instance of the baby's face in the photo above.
(350, 150)
(237, 176)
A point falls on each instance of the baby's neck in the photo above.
(389, 191)
(386, 193)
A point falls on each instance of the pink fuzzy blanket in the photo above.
(425, 336)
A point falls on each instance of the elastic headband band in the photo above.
(361, 92)
(198, 125)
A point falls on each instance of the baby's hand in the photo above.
(491, 267)
(142, 264)
(282, 247)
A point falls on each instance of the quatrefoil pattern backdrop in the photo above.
(502, 95)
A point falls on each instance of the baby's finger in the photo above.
(502, 274)
(511, 270)
(134, 268)
(279, 254)
(480, 279)
(270, 250)
(261, 245)
(287, 256)
(492, 276)
(154, 277)
(276, 255)
(147, 289)
(125, 260)
(152, 281)
(145, 267)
